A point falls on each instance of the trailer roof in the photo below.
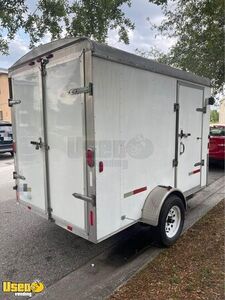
(113, 54)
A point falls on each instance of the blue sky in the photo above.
(143, 37)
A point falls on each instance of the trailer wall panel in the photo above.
(107, 139)
(134, 115)
(148, 131)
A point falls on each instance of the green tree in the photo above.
(80, 18)
(214, 116)
(92, 18)
(198, 26)
(11, 19)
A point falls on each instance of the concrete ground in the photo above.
(71, 267)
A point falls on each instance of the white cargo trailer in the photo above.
(105, 138)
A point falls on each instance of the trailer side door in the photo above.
(190, 99)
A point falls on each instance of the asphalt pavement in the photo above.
(6, 180)
(32, 248)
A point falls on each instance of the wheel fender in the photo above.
(154, 202)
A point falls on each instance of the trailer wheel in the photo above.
(171, 220)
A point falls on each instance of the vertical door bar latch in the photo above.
(38, 145)
(82, 90)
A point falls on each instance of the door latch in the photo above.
(184, 135)
(202, 109)
(39, 145)
(18, 176)
(201, 163)
(82, 90)
(12, 102)
(91, 199)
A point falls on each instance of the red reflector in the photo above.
(69, 227)
(140, 190)
(90, 157)
(28, 207)
(196, 171)
(91, 218)
(14, 147)
(101, 166)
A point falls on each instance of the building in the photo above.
(222, 111)
(5, 111)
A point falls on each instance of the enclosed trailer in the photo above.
(105, 138)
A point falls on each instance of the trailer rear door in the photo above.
(29, 127)
(66, 138)
(190, 98)
(50, 115)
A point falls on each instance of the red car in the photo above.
(217, 142)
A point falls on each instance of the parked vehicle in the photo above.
(115, 138)
(6, 138)
(217, 142)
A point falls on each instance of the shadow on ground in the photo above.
(5, 156)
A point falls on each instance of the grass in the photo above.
(191, 269)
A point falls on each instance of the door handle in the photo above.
(182, 148)
(182, 134)
(37, 145)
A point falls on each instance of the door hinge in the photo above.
(18, 176)
(12, 102)
(82, 90)
(175, 162)
(176, 106)
(203, 109)
(201, 163)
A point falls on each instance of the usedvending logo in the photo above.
(23, 288)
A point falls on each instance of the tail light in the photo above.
(69, 227)
(90, 157)
(101, 167)
(91, 218)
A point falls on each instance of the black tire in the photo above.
(162, 237)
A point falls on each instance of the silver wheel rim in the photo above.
(173, 221)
